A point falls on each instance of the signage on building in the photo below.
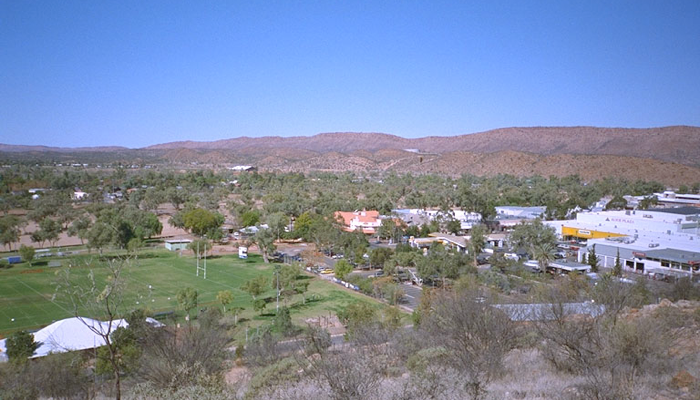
(625, 220)
(584, 232)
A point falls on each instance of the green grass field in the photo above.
(28, 294)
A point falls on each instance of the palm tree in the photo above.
(544, 254)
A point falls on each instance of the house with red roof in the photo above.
(366, 221)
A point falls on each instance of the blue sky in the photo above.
(136, 73)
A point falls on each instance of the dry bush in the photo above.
(175, 358)
(476, 337)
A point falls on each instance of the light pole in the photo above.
(277, 274)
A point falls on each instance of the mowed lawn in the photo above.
(29, 294)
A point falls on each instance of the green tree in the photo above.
(302, 226)
(265, 240)
(259, 305)
(283, 322)
(255, 287)
(617, 203)
(477, 241)
(27, 253)
(301, 287)
(225, 297)
(531, 235)
(453, 226)
(9, 230)
(200, 221)
(544, 254)
(357, 315)
(126, 347)
(200, 247)
(593, 259)
(342, 269)
(250, 218)
(80, 227)
(617, 269)
(277, 222)
(379, 256)
(20, 346)
(187, 299)
(49, 230)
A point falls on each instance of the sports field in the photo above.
(29, 299)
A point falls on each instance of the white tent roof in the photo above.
(73, 334)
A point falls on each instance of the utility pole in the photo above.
(204, 269)
(277, 273)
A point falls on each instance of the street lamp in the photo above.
(277, 272)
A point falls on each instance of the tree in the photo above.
(617, 268)
(200, 221)
(99, 236)
(530, 235)
(80, 228)
(357, 315)
(250, 218)
(301, 288)
(259, 305)
(617, 203)
(97, 298)
(477, 241)
(9, 230)
(199, 247)
(477, 337)
(265, 239)
(379, 256)
(255, 287)
(49, 230)
(187, 299)
(593, 259)
(225, 297)
(126, 346)
(175, 358)
(544, 254)
(342, 269)
(277, 222)
(20, 346)
(27, 253)
(283, 322)
(453, 226)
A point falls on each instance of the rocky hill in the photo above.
(669, 154)
(678, 144)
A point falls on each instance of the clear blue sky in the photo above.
(136, 73)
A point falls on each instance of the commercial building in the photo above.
(662, 242)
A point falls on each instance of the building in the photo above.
(510, 216)
(242, 168)
(458, 243)
(671, 198)
(549, 312)
(72, 334)
(421, 216)
(177, 244)
(662, 242)
(365, 221)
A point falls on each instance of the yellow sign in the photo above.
(586, 233)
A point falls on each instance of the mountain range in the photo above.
(667, 154)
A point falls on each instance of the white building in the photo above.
(467, 219)
(71, 334)
(177, 244)
(661, 241)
